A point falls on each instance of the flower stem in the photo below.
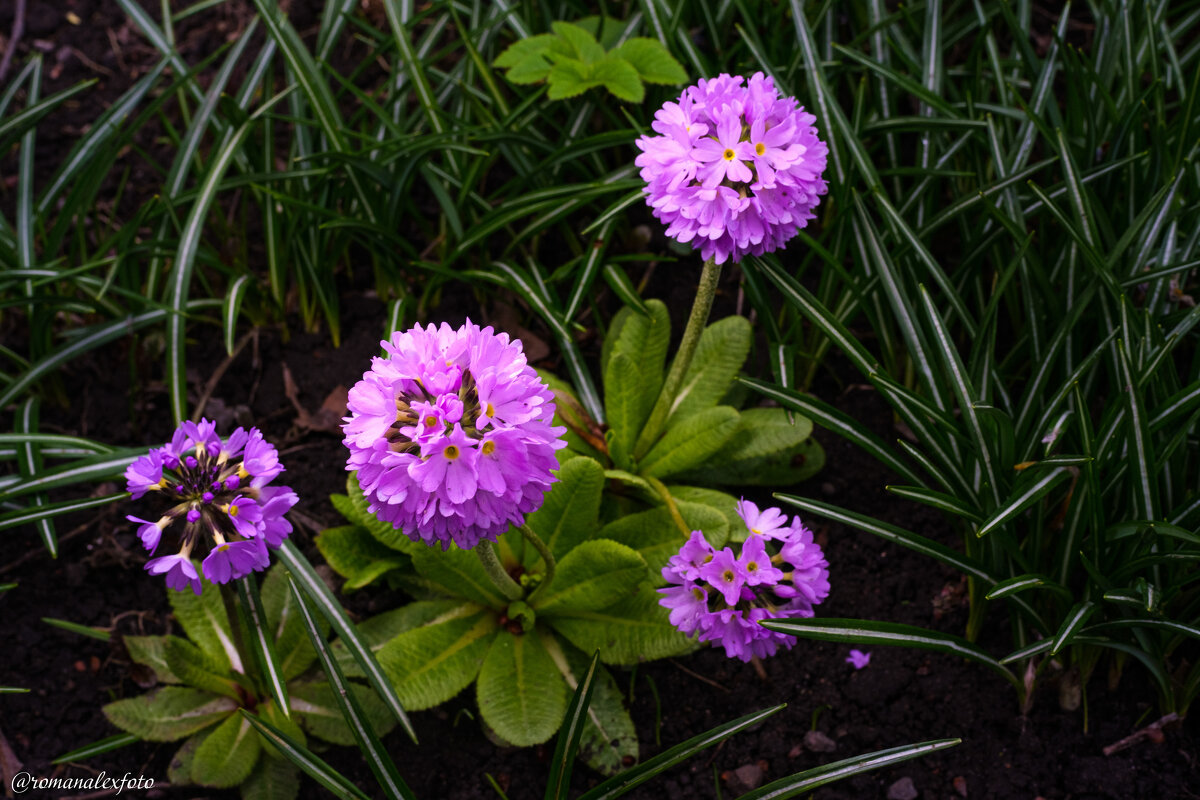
(701, 306)
(669, 502)
(547, 556)
(491, 564)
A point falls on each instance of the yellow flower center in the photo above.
(430, 421)
(728, 155)
(451, 452)
(233, 510)
(727, 576)
(760, 148)
(698, 593)
(488, 447)
(223, 548)
(752, 567)
(491, 410)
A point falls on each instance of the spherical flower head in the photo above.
(735, 168)
(722, 596)
(219, 495)
(451, 434)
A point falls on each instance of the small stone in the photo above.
(902, 789)
(828, 489)
(818, 742)
(80, 666)
(960, 786)
(796, 751)
(744, 779)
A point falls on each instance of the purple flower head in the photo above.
(220, 495)
(858, 658)
(180, 571)
(735, 168)
(451, 434)
(722, 597)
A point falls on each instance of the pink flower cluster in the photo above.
(220, 491)
(451, 434)
(735, 167)
(723, 596)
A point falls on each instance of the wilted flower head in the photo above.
(451, 434)
(217, 491)
(735, 169)
(723, 596)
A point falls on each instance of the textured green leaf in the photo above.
(653, 62)
(521, 695)
(529, 49)
(571, 510)
(594, 575)
(568, 78)
(196, 668)
(623, 405)
(272, 779)
(583, 45)
(609, 740)
(294, 651)
(227, 755)
(656, 537)
(169, 713)
(314, 705)
(619, 77)
(627, 632)
(150, 651)
(179, 771)
(354, 507)
(719, 356)
(691, 442)
(430, 664)
(723, 502)
(206, 624)
(382, 628)
(272, 712)
(460, 574)
(358, 556)
(767, 450)
(644, 338)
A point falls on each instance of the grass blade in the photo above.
(106, 745)
(566, 747)
(298, 754)
(264, 641)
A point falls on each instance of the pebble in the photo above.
(745, 778)
(960, 786)
(902, 789)
(818, 742)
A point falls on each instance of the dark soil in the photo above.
(903, 696)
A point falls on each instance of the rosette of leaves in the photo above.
(204, 679)
(708, 438)
(573, 59)
(524, 657)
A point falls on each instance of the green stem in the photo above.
(547, 556)
(701, 306)
(491, 564)
(669, 502)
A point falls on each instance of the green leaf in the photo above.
(568, 78)
(354, 507)
(656, 537)
(628, 632)
(594, 575)
(722, 502)
(272, 779)
(690, 442)
(358, 556)
(584, 46)
(196, 668)
(206, 624)
(316, 708)
(430, 664)
(653, 62)
(608, 743)
(105, 745)
(768, 450)
(292, 647)
(623, 405)
(262, 640)
(168, 713)
(149, 651)
(619, 77)
(722, 350)
(532, 49)
(521, 695)
(179, 771)
(299, 755)
(227, 755)
(570, 512)
(272, 712)
(382, 628)
(460, 574)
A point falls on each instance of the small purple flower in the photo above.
(858, 658)
(180, 571)
(723, 597)
(451, 436)
(735, 168)
(217, 497)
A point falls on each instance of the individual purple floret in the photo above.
(735, 168)
(451, 435)
(723, 596)
(858, 659)
(219, 494)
